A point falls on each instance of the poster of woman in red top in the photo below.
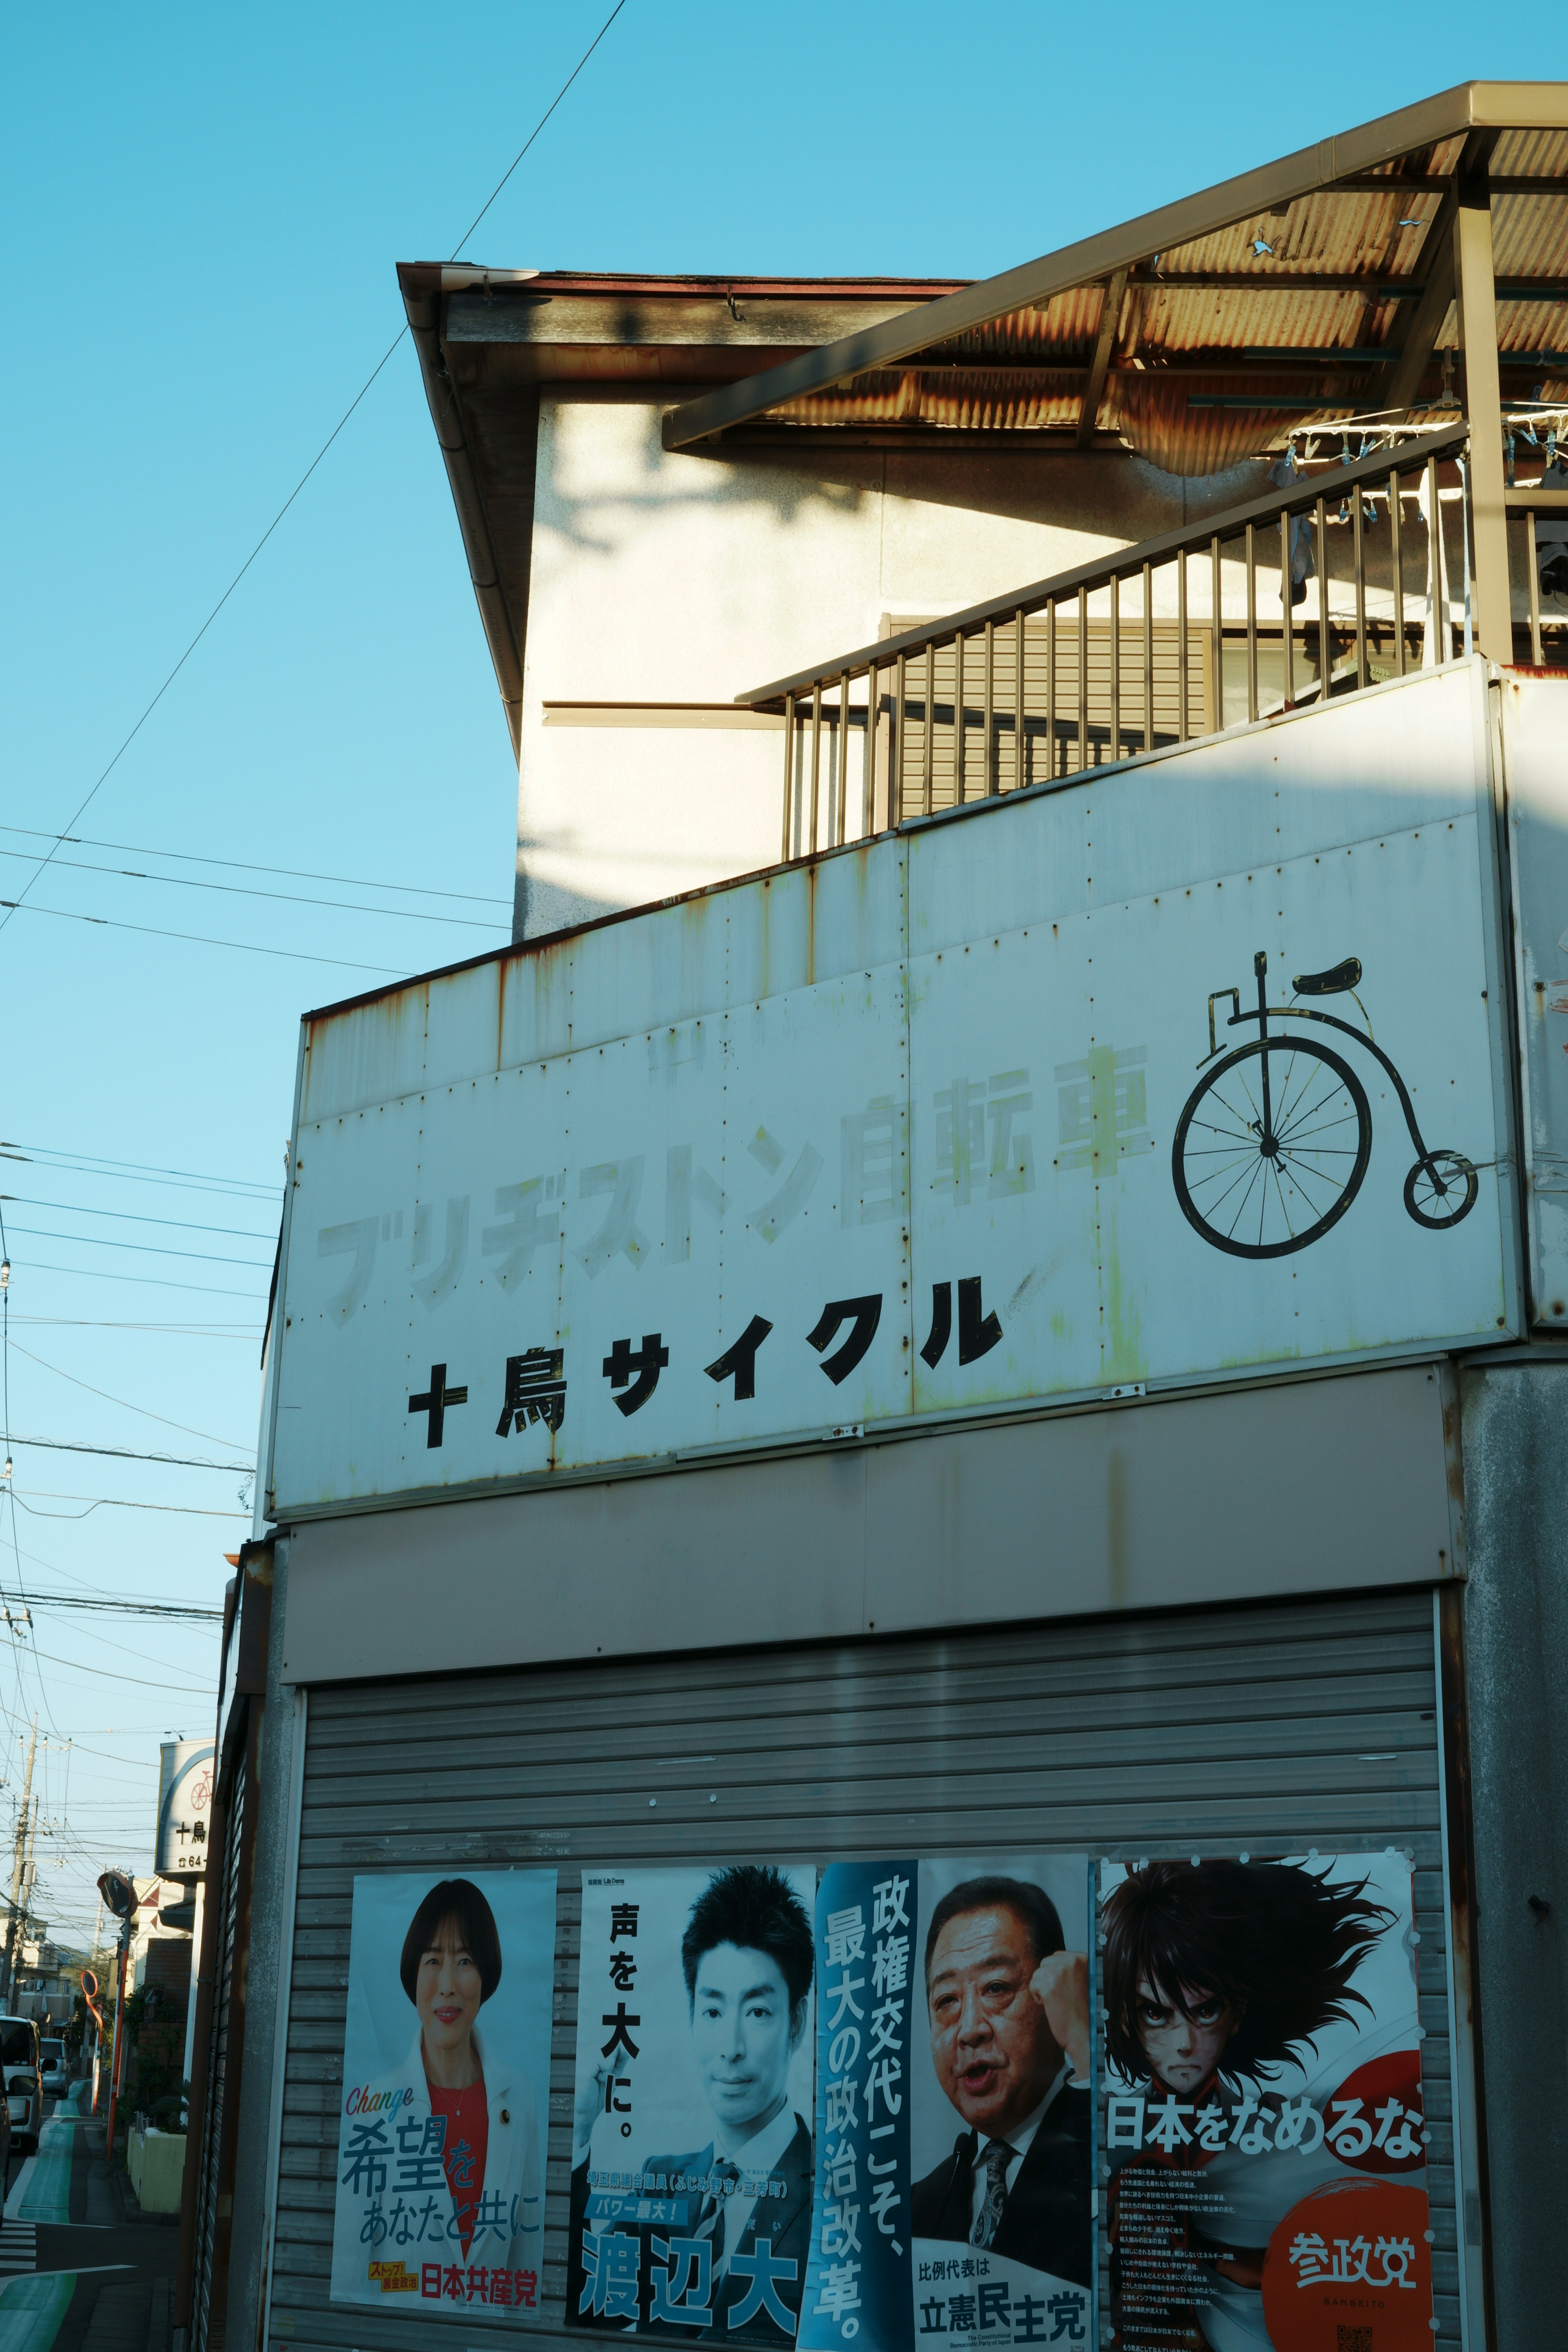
(1264, 2128)
(441, 2145)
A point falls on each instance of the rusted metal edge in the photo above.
(422, 301)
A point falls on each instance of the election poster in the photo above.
(955, 2106)
(440, 2198)
(1002, 2125)
(1265, 2132)
(692, 2150)
(857, 2285)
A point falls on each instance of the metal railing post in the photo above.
(1534, 586)
(1251, 623)
(1218, 594)
(1051, 692)
(1148, 658)
(789, 776)
(869, 785)
(1396, 525)
(991, 776)
(1325, 632)
(1018, 768)
(842, 825)
(1363, 675)
(815, 757)
(1115, 669)
(896, 748)
(1083, 678)
(928, 739)
(1182, 713)
(1287, 611)
(1438, 618)
(958, 719)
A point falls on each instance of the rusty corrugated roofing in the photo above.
(1310, 258)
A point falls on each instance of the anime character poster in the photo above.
(692, 2154)
(954, 2068)
(1264, 2126)
(439, 2201)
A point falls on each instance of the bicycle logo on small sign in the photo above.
(1273, 1143)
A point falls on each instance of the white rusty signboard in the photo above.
(1187, 1070)
(1535, 769)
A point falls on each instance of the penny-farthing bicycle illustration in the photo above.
(1273, 1143)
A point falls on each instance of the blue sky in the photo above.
(205, 209)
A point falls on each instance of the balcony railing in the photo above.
(1161, 644)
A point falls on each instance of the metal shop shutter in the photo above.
(1267, 1730)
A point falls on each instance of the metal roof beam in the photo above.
(1541, 105)
(1436, 260)
(1094, 391)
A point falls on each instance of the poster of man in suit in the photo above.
(692, 2159)
(1002, 2127)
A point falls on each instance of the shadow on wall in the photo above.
(540, 908)
(1104, 494)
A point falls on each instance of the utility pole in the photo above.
(30, 1875)
(19, 1864)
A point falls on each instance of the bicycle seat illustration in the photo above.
(1273, 1143)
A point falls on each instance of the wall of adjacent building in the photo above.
(661, 578)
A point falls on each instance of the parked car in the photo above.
(55, 2067)
(24, 2081)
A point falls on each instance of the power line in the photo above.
(251, 865)
(278, 898)
(144, 1281)
(122, 1608)
(133, 1217)
(11, 905)
(247, 1332)
(185, 1690)
(143, 1249)
(133, 1170)
(196, 939)
(116, 1503)
(95, 1591)
(146, 1410)
(117, 1644)
(128, 1454)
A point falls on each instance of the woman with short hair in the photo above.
(466, 2120)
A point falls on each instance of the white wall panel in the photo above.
(956, 1056)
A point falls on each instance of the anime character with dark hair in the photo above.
(1217, 1977)
(748, 1957)
(1009, 2009)
(462, 2100)
(1228, 1970)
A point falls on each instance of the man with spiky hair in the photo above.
(1226, 1970)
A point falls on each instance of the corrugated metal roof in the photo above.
(1154, 412)
(1261, 241)
(1531, 154)
(965, 399)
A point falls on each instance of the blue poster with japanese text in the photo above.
(858, 2280)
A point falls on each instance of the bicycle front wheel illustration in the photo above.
(1271, 1148)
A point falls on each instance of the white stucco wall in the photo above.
(660, 578)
